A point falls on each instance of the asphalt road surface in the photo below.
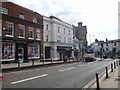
(72, 75)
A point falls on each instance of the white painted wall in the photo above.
(53, 34)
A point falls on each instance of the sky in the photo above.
(100, 16)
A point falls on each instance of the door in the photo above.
(20, 54)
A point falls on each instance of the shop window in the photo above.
(31, 33)
(21, 30)
(8, 51)
(33, 51)
(9, 29)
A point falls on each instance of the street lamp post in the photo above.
(101, 51)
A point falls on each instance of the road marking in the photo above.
(14, 72)
(90, 63)
(66, 69)
(55, 66)
(92, 82)
(23, 80)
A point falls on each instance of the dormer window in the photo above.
(21, 16)
(35, 20)
(4, 10)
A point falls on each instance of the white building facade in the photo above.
(58, 38)
(109, 48)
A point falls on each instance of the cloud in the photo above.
(98, 15)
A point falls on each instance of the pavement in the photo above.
(112, 82)
(23, 65)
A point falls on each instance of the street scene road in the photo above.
(73, 75)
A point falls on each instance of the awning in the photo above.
(64, 48)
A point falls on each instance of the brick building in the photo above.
(22, 33)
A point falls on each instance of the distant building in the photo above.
(58, 38)
(76, 44)
(109, 48)
(22, 33)
(81, 35)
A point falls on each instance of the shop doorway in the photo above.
(47, 52)
(20, 54)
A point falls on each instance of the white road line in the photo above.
(66, 69)
(55, 66)
(71, 64)
(90, 63)
(14, 72)
(80, 65)
(23, 80)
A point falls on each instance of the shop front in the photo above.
(20, 51)
(64, 51)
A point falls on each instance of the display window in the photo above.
(33, 51)
(8, 51)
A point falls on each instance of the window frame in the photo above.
(59, 29)
(47, 27)
(68, 32)
(64, 30)
(38, 31)
(58, 38)
(34, 20)
(47, 38)
(23, 28)
(4, 10)
(69, 40)
(21, 16)
(31, 29)
(8, 27)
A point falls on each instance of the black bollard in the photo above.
(119, 62)
(97, 82)
(58, 60)
(51, 60)
(32, 62)
(106, 72)
(114, 66)
(111, 67)
(18, 63)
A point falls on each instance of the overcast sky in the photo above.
(100, 16)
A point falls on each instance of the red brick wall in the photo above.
(13, 16)
(15, 10)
